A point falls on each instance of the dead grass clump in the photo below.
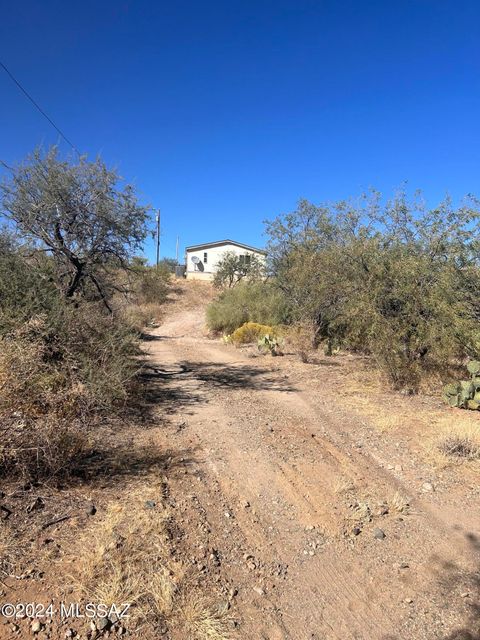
(398, 503)
(139, 316)
(361, 512)
(201, 620)
(127, 558)
(41, 448)
(343, 485)
(460, 441)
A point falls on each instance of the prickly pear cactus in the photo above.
(269, 343)
(474, 367)
(465, 394)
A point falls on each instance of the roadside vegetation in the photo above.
(392, 280)
(68, 284)
(261, 302)
(75, 299)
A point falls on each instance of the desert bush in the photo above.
(26, 289)
(247, 302)
(80, 214)
(250, 332)
(67, 354)
(59, 377)
(63, 367)
(300, 338)
(150, 284)
(147, 292)
(78, 362)
(391, 279)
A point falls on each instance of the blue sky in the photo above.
(226, 113)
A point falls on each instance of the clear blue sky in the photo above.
(226, 113)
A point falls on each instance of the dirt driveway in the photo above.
(321, 525)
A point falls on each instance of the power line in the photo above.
(37, 106)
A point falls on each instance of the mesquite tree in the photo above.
(394, 279)
(232, 269)
(80, 214)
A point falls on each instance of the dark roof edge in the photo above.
(220, 242)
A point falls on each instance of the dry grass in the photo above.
(453, 438)
(360, 512)
(398, 503)
(7, 548)
(460, 441)
(47, 447)
(139, 316)
(127, 558)
(191, 294)
(12, 551)
(201, 620)
(343, 485)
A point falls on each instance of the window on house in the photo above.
(205, 255)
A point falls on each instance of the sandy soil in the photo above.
(323, 524)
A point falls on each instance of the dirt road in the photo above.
(321, 525)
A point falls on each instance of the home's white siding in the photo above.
(214, 255)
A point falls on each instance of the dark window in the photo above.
(205, 258)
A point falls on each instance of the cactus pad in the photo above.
(474, 367)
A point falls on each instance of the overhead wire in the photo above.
(39, 108)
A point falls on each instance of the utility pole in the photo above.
(158, 236)
(176, 251)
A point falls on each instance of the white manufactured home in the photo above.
(201, 259)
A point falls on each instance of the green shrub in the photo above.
(26, 289)
(67, 356)
(391, 279)
(64, 368)
(151, 285)
(247, 302)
